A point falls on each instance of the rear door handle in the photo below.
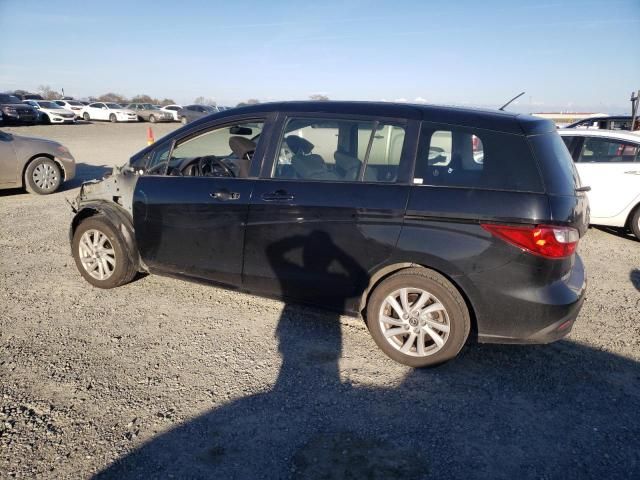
(225, 195)
(278, 196)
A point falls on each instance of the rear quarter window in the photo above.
(473, 158)
(559, 172)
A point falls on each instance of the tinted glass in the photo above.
(8, 99)
(114, 105)
(462, 157)
(604, 150)
(339, 150)
(559, 172)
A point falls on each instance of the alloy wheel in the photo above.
(414, 322)
(96, 254)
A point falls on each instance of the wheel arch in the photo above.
(389, 270)
(632, 212)
(118, 217)
(40, 155)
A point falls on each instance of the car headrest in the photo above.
(307, 166)
(299, 145)
(241, 146)
(346, 162)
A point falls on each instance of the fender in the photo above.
(118, 217)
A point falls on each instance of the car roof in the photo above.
(467, 117)
(617, 134)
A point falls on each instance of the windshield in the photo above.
(74, 103)
(9, 99)
(49, 105)
(209, 109)
(113, 106)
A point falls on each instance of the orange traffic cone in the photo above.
(150, 138)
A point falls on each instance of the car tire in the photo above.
(86, 116)
(46, 119)
(433, 313)
(152, 119)
(635, 222)
(112, 118)
(42, 176)
(101, 255)
(184, 120)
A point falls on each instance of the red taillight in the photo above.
(544, 240)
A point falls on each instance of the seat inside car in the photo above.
(243, 149)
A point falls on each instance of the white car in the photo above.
(608, 161)
(51, 112)
(113, 112)
(173, 110)
(73, 105)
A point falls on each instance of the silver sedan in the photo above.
(36, 164)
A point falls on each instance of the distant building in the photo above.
(565, 118)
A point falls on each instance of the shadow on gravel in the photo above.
(85, 172)
(618, 232)
(556, 411)
(635, 278)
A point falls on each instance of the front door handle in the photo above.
(633, 172)
(277, 196)
(225, 195)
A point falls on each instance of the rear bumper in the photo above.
(511, 313)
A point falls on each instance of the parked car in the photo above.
(108, 111)
(14, 111)
(29, 96)
(193, 112)
(346, 205)
(173, 110)
(74, 105)
(51, 112)
(609, 163)
(606, 123)
(38, 165)
(150, 113)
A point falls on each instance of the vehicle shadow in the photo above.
(85, 172)
(618, 232)
(634, 275)
(557, 411)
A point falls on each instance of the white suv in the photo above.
(609, 162)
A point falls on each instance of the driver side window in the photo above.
(221, 152)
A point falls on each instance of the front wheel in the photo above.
(42, 176)
(635, 223)
(152, 119)
(184, 120)
(86, 116)
(112, 118)
(418, 318)
(101, 254)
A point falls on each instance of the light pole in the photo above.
(635, 100)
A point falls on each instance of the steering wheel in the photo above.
(209, 164)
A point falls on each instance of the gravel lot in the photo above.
(167, 379)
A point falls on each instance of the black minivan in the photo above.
(435, 224)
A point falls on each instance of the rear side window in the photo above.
(560, 174)
(604, 150)
(463, 157)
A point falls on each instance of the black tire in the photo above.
(446, 294)
(46, 119)
(125, 269)
(86, 116)
(152, 119)
(184, 120)
(112, 118)
(42, 176)
(634, 223)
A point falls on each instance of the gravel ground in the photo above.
(166, 379)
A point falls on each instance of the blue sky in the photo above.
(569, 55)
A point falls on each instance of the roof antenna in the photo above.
(514, 98)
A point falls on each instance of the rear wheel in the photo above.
(86, 116)
(112, 118)
(42, 176)
(101, 254)
(152, 119)
(635, 222)
(418, 318)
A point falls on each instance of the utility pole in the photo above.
(635, 101)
